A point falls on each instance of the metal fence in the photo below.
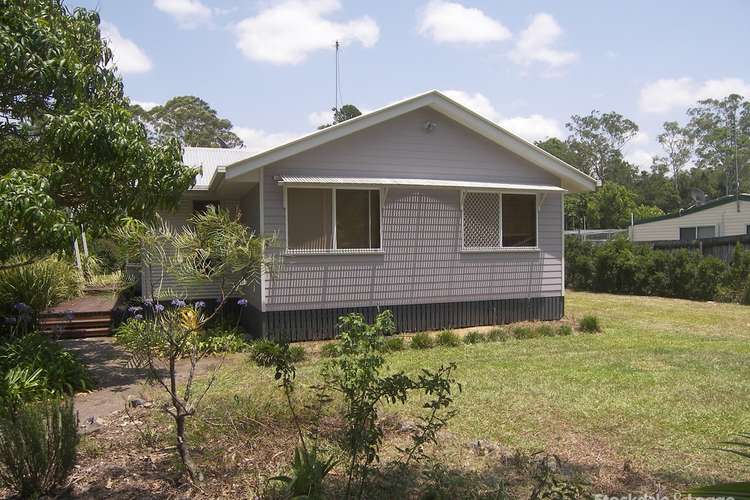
(721, 247)
(595, 235)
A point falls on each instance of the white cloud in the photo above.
(533, 127)
(451, 22)
(640, 157)
(318, 118)
(147, 105)
(187, 13)
(640, 137)
(128, 57)
(476, 102)
(666, 94)
(288, 32)
(260, 140)
(535, 45)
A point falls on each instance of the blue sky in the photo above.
(268, 66)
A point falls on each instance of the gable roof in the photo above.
(730, 198)
(210, 159)
(572, 179)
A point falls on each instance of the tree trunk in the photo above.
(182, 449)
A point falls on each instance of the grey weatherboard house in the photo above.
(422, 207)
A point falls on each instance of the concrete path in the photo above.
(115, 380)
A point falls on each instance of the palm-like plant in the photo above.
(737, 490)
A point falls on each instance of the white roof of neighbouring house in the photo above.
(572, 179)
(209, 159)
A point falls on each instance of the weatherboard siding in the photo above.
(422, 261)
(725, 217)
(169, 284)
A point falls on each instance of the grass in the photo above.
(664, 382)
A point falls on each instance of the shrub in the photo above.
(265, 352)
(40, 285)
(357, 376)
(297, 353)
(37, 446)
(620, 266)
(565, 330)
(545, 331)
(330, 350)
(447, 338)
(58, 371)
(589, 324)
(474, 337)
(393, 344)
(524, 332)
(422, 340)
(498, 334)
(223, 340)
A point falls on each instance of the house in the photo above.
(422, 207)
(725, 216)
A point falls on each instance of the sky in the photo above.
(269, 66)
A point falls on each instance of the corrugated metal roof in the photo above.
(381, 181)
(209, 159)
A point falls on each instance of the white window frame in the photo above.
(539, 200)
(696, 226)
(334, 250)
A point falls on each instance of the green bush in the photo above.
(393, 344)
(223, 340)
(565, 330)
(297, 353)
(448, 338)
(39, 285)
(58, 372)
(589, 324)
(524, 332)
(498, 334)
(620, 266)
(545, 331)
(331, 350)
(265, 352)
(474, 337)
(422, 340)
(38, 443)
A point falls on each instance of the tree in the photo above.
(655, 189)
(71, 153)
(346, 112)
(597, 140)
(678, 148)
(561, 150)
(213, 248)
(191, 121)
(721, 130)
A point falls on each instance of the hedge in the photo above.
(620, 266)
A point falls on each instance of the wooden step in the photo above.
(83, 332)
(104, 319)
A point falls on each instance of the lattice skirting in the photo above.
(319, 324)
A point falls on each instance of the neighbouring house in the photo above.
(725, 216)
(422, 207)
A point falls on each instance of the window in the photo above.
(495, 220)
(696, 233)
(314, 224)
(200, 206)
(747, 229)
(519, 220)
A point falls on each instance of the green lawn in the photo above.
(665, 381)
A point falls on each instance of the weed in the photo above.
(448, 338)
(422, 340)
(474, 337)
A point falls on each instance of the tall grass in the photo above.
(40, 285)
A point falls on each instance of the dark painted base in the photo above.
(319, 324)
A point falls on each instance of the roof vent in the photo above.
(429, 126)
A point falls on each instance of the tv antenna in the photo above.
(338, 96)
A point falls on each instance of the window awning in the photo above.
(304, 181)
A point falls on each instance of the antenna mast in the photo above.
(336, 98)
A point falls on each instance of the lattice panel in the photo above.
(481, 220)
